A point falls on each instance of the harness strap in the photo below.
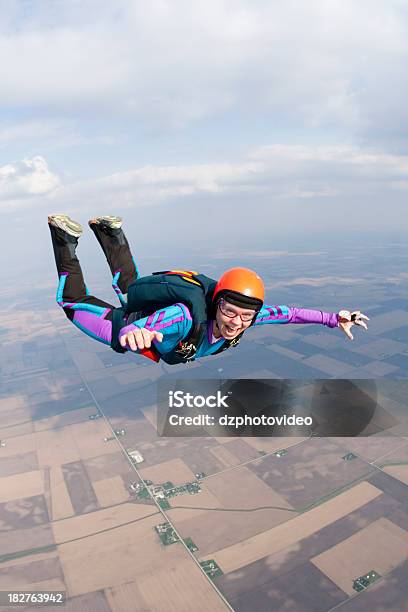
(118, 321)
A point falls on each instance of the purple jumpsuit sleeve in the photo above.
(303, 315)
(174, 322)
(285, 314)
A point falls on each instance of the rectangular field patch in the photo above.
(292, 531)
(380, 546)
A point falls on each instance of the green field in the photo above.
(363, 582)
(190, 544)
(166, 534)
(211, 568)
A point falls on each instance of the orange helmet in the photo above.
(242, 287)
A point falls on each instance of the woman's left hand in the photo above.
(347, 319)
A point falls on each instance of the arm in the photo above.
(285, 314)
(163, 328)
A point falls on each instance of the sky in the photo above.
(222, 122)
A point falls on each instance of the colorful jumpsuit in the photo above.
(94, 316)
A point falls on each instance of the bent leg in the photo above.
(117, 252)
(94, 323)
(90, 314)
(68, 265)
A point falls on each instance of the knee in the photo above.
(69, 313)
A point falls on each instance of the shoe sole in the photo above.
(66, 224)
(108, 221)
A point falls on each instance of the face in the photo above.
(228, 321)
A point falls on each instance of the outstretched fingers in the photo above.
(346, 327)
(347, 319)
(148, 337)
(359, 318)
(140, 338)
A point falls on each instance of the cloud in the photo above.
(151, 185)
(272, 189)
(324, 281)
(279, 171)
(321, 281)
(264, 254)
(28, 131)
(172, 63)
(49, 134)
(29, 178)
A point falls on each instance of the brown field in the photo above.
(56, 447)
(25, 539)
(14, 409)
(179, 588)
(237, 490)
(129, 373)
(380, 546)
(16, 464)
(110, 491)
(20, 445)
(398, 471)
(174, 470)
(87, 362)
(242, 450)
(150, 413)
(310, 471)
(107, 518)
(241, 488)
(64, 419)
(292, 531)
(183, 589)
(13, 431)
(33, 571)
(79, 487)
(124, 597)
(90, 602)
(23, 560)
(137, 428)
(89, 439)
(61, 505)
(193, 451)
(398, 455)
(97, 374)
(17, 486)
(107, 466)
(198, 502)
(270, 445)
(180, 515)
(215, 529)
(23, 513)
(369, 448)
(224, 439)
(117, 556)
(224, 456)
(52, 584)
(133, 373)
(65, 445)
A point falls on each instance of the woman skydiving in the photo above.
(176, 315)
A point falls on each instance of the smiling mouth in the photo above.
(230, 329)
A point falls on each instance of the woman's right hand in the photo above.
(139, 338)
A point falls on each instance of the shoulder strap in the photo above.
(118, 321)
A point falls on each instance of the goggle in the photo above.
(230, 313)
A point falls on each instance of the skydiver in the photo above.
(169, 332)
